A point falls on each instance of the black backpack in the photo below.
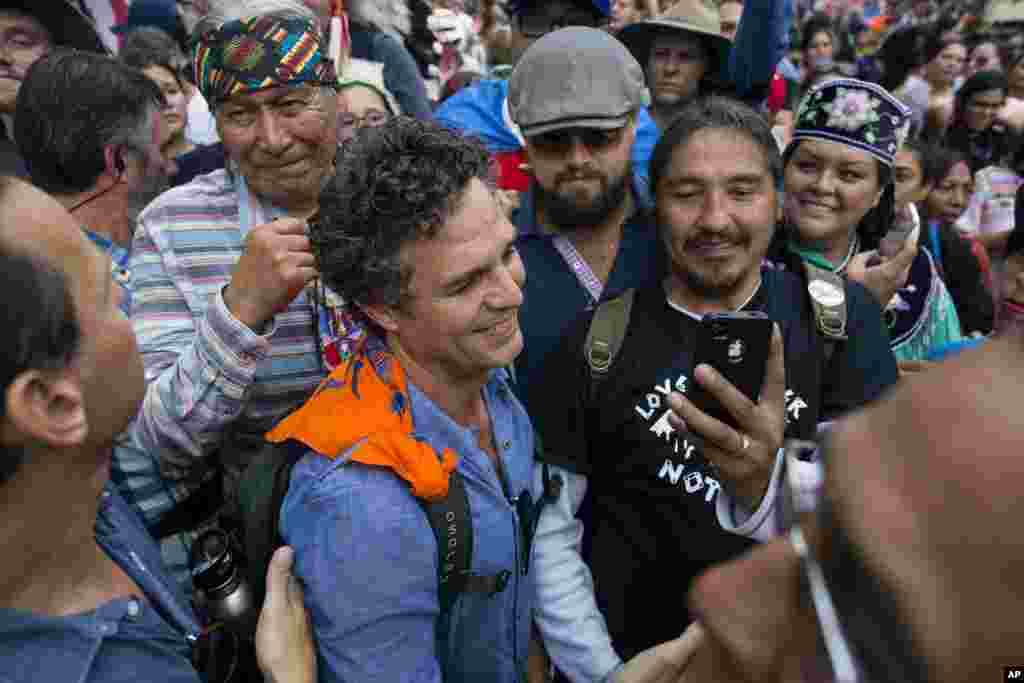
(262, 489)
(223, 655)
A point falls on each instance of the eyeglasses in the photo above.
(560, 142)
(372, 119)
(864, 635)
(538, 24)
(840, 655)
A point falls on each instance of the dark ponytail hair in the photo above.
(818, 23)
(991, 146)
(900, 54)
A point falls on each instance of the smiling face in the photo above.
(716, 208)
(23, 40)
(459, 318)
(830, 187)
(284, 140)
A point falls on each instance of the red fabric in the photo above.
(510, 175)
(120, 9)
(981, 253)
(776, 93)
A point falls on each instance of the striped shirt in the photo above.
(213, 384)
(118, 265)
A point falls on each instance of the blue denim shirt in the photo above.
(368, 558)
(122, 640)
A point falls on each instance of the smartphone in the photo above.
(894, 240)
(737, 346)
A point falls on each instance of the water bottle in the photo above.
(221, 584)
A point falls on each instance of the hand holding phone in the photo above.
(743, 453)
(894, 241)
(736, 345)
(883, 277)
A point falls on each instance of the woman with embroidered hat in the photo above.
(840, 203)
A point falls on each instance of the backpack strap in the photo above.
(828, 303)
(202, 505)
(605, 336)
(452, 523)
(261, 493)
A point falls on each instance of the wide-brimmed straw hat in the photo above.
(696, 17)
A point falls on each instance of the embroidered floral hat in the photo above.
(855, 113)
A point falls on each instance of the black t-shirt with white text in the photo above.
(650, 519)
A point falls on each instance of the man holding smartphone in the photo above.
(671, 490)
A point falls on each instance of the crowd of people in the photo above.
(337, 358)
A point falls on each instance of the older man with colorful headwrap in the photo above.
(234, 328)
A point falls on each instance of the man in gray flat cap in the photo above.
(576, 95)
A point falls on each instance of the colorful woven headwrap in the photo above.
(249, 55)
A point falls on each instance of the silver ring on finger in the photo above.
(745, 442)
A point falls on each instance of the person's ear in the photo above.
(385, 316)
(631, 130)
(47, 407)
(526, 154)
(113, 162)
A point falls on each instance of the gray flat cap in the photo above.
(575, 78)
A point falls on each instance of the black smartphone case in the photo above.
(737, 346)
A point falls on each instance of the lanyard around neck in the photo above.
(819, 259)
(579, 267)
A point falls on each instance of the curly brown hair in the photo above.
(393, 184)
